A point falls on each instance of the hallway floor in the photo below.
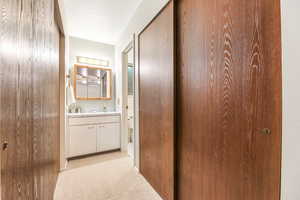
(104, 177)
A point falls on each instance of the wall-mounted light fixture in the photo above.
(92, 61)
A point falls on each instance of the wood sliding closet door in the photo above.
(229, 97)
(156, 98)
(29, 99)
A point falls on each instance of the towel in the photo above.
(70, 95)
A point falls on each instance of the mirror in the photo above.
(92, 83)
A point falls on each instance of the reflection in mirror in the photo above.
(92, 83)
(81, 83)
(97, 83)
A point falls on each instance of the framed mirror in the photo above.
(92, 83)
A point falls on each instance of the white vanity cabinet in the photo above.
(82, 140)
(108, 137)
(93, 133)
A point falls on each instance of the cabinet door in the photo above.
(82, 140)
(109, 137)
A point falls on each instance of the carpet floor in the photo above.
(108, 177)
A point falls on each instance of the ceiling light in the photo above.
(92, 61)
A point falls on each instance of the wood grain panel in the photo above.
(16, 105)
(62, 103)
(29, 94)
(229, 89)
(156, 97)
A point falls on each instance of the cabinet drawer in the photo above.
(94, 120)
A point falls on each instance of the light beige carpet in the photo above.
(108, 179)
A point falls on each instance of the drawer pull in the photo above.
(91, 127)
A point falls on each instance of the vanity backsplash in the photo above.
(96, 106)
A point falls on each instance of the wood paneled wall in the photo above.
(156, 97)
(229, 90)
(29, 93)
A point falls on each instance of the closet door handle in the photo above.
(266, 131)
(5, 145)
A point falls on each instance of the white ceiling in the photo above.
(99, 20)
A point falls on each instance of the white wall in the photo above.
(146, 11)
(91, 49)
(291, 99)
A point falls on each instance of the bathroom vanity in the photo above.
(90, 133)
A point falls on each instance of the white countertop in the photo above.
(94, 114)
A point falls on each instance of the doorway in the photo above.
(128, 98)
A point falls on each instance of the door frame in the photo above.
(125, 134)
(59, 15)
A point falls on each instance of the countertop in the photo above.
(94, 114)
